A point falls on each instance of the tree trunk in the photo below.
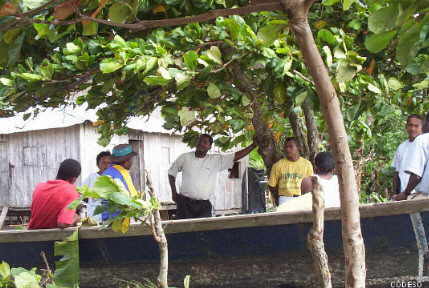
(313, 138)
(159, 235)
(263, 135)
(354, 249)
(297, 132)
(315, 238)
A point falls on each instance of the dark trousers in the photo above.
(190, 208)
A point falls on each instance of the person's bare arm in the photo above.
(242, 153)
(412, 183)
(396, 183)
(306, 185)
(76, 219)
(172, 181)
(275, 193)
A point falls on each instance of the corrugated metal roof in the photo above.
(69, 116)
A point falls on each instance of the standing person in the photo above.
(103, 162)
(49, 206)
(121, 162)
(416, 164)
(287, 173)
(199, 175)
(414, 128)
(328, 181)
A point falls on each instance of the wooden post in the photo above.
(159, 235)
(3, 216)
(354, 249)
(315, 238)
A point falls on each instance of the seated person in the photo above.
(325, 165)
(103, 162)
(51, 199)
(121, 162)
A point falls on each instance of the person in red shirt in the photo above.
(49, 207)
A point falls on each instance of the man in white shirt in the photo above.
(103, 162)
(414, 129)
(199, 175)
(415, 163)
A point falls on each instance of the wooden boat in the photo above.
(258, 250)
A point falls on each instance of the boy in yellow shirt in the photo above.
(287, 174)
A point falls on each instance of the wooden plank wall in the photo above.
(4, 171)
(35, 157)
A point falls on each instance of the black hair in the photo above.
(69, 168)
(101, 155)
(209, 137)
(292, 139)
(324, 162)
(415, 116)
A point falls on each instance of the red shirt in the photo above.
(49, 205)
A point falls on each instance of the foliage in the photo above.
(67, 269)
(189, 71)
(118, 201)
(18, 277)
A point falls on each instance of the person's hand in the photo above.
(399, 197)
(175, 197)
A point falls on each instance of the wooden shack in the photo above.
(31, 151)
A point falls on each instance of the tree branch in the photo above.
(150, 24)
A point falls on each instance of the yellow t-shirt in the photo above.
(287, 175)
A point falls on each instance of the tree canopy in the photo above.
(231, 76)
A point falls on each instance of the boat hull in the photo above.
(270, 253)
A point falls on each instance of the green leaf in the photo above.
(182, 80)
(10, 35)
(67, 269)
(119, 12)
(213, 91)
(110, 65)
(190, 58)
(32, 4)
(330, 2)
(4, 270)
(355, 24)
(6, 81)
(153, 80)
(374, 89)
(30, 76)
(186, 116)
(71, 49)
(395, 84)
(90, 28)
(150, 64)
(269, 33)
(300, 98)
(383, 19)
(328, 54)
(326, 36)
(215, 55)
(15, 49)
(345, 72)
(164, 73)
(245, 101)
(377, 42)
(347, 4)
(279, 93)
(186, 281)
(407, 47)
(421, 85)
(25, 279)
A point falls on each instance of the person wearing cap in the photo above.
(121, 162)
(199, 176)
